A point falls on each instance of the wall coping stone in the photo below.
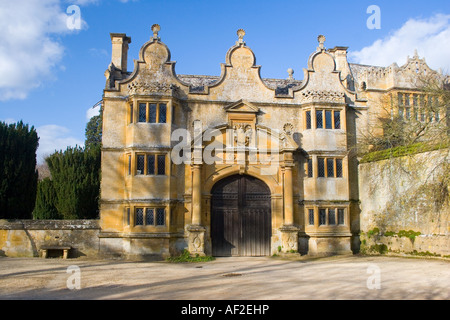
(49, 224)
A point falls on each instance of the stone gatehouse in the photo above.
(237, 165)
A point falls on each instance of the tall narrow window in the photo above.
(319, 119)
(328, 120)
(407, 99)
(149, 216)
(131, 113)
(339, 168)
(160, 216)
(139, 217)
(308, 119)
(142, 112)
(173, 113)
(331, 217)
(341, 217)
(162, 113)
(337, 119)
(311, 216)
(310, 168)
(321, 167)
(330, 168)
(415, 100)
(152, 113)
(129, 164)
(400, 99)
(127, 221)
(151, 164)
(322, 217)
(140, 164)
(161, 165)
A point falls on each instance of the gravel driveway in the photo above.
(341, 277)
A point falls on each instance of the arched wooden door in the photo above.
(241, 223)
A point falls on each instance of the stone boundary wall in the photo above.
(24, 238)
(422, 245)
(405, 205)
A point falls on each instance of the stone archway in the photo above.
(241, 217)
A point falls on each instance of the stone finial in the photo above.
(290, 72)
(155, 29)
(321, 39)
(241, 34)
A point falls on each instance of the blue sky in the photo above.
(50, 76)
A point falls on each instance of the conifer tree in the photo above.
(18, 174)
(45, 201)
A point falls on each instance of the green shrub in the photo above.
(186, 257)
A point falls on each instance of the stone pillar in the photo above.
(196, 231)
(289, 232)
(288, 197)
(196, 195)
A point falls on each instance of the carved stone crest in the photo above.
(288, 128)
(242, 134)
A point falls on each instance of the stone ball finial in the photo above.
(155, 29)
(241, 34)
(321, 38)
(290, 72)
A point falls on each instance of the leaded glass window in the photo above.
(337, 119)
(162, 113)
(330, 168)
(322, 217)
(131, 113)
(308, 119)
(160, 217)
(139, 216)
(321, 167)
(151, 164)
(152, 113)
(400, 99)
(319, 119)
(341, 217)
(311, 216)
(161, 165)
(328, 120)
(140, 164)
(339, 168)
(142, 112)
(310, 168)
(150, 217)
(331, 217)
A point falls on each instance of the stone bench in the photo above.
(45, 249)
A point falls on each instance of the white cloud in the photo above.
(54, 138)
(92, 112)
(431, 38)
(29, 51)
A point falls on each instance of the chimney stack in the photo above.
(119, 57)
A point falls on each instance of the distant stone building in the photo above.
(236, 165)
